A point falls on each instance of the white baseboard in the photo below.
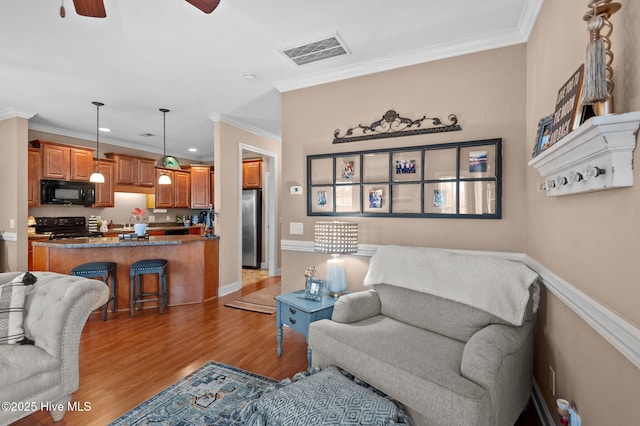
(544, 414)
(229, 288)
(619, 332)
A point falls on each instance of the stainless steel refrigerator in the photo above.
(251, 228)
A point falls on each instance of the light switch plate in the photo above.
(296, 228)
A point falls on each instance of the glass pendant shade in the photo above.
(97, 177)
(166, 162)
(164, 179)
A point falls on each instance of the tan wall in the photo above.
(485, 90)
(13, 175)
(227, 190)
(590, 240)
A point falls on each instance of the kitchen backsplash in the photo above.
(125, 202)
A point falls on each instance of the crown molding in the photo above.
(105, 139)
(517, 35)
(219, 117)
(443, 51)
(7, 113)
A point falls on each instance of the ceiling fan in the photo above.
(95, 8)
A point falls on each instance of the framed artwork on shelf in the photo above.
(543, 137)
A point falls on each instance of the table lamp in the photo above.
(336, 238)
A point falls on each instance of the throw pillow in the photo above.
(327, 397)
(12, 298)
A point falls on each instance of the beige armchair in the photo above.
(45, 374)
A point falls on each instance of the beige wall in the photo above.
(590, 240)
(227, 160)
(485, 90)
(13, 175)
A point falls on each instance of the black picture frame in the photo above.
(543, 137)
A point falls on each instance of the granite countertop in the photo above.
(116, 242)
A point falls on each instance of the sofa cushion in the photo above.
(442, 316)
(412, 365)
(12, 300)
(25, 369)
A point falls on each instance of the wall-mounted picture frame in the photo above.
(478, 161)
(375, 198)
(314, 289)
(545, 127)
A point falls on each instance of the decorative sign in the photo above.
(392, 124)
(568, 108)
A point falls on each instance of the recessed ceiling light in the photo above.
(104, 129)
(193, 149)
(249, 76)
(146, 135)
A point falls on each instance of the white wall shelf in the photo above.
(597, 155)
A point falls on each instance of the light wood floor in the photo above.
(125, 360)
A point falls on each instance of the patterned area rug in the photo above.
(263, 301)
(212, 395)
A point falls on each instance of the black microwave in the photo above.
(63, 192)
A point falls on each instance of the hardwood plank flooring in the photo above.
(124, 360)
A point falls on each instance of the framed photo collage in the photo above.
(453, 180)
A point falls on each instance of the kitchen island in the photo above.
(192, 270)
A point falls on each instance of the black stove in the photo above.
(64, 227)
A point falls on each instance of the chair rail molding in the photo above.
(596, 156)
(620, 333)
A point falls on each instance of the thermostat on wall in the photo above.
(295, 190)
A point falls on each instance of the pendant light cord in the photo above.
(98, 105)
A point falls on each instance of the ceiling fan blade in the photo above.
(207, 6)
(91, 8)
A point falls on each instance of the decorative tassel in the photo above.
(595, 77)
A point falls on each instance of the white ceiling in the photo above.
(150, 54)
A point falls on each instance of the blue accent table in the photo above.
(297, 312)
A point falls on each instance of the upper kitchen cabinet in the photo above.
(177, 194)
(64, 162)
(35, 172)
(200, 187)
(104, 191)
(130, 170)
(252, 174)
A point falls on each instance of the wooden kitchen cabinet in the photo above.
(182, 183)
(63, 162)
(104, 191)
(131, 170)
(200, 187)
(252, 174)
(177, 194)
(33, 182)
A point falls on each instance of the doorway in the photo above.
(269, 212)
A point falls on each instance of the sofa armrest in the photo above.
(355, 307)
(55, 314)
(500, 359)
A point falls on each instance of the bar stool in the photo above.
(100, 270)
(148, 266)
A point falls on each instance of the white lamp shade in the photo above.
(336, 237)
(164, 179)
(96, 177)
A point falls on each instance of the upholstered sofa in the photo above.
(448, 335)
(44, 374)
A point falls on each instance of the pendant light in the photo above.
(166, 162)
(97, 177)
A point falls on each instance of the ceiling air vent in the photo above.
(327, 47)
